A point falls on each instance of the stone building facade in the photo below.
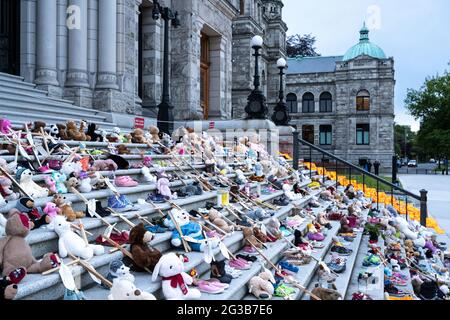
(107, 54)
(345, 104)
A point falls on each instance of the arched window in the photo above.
(363, 101)
(326, 102)
(291, 101)
(308, 103)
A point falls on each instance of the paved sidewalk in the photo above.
(438, 187)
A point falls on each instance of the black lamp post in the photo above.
(165, 108)
(280, 114)
(256, 107)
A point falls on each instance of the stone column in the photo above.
(77, 84)
(107, 45)
(46, 72)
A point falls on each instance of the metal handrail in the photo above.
(377, 178)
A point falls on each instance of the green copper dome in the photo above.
(364, 47)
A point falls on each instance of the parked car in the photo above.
(432, 160)
(412, 163)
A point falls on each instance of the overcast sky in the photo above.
(415, 32)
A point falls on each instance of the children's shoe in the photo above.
(287, 266)
(17, 275)
(371, 260)
(120, 203)
(233, 272)
(239, 264)
(156, 198)
(343, 251)
(125, 181)
(248, 258)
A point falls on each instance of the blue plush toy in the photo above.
(188, 228)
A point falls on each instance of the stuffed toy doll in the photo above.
(144, 256)
(175, 282)
(262, 286)
(37, 217)
(124, 289)
(6, 189)
(118, 270)
(25, 178)
(71, 243)
(16, 252)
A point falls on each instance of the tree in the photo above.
(431, 106)
(303, 46)
(404, 139)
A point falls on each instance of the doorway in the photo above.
(205, 64)
(10, 36)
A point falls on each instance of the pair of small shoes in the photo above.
(287, 266)
(233, 272)
(246, 257)
(211, 286)
(239, 264)
(156, 198)
(360, 296)
(120, 203)
(371, 260)
(343, 251)
(102, 212)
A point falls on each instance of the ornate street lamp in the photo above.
(256, 107)
(165, 108)
(280, 114)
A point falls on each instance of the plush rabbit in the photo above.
(261, 286)
(163, 188)
(70, 242)
(174, 280)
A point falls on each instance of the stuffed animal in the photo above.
(72, 183)
(118, 270)
(250, 239)
(124, 289)
(52, 210)
(122, 149)
(175, 281)
(59, 179)
(261, 286)
(291, 195)
(345, 228)
(71, 168)
(37, 217)
(92, 132)
(215, 217)
(62, 131)
(16, 252)
(5, 125)
(154, 131)
(6, 189)
(404, 228)
(66, 208)
(144, 256)
(148, 177)
(25, 178)
(163, 188)
(37, 126)
(273, 228)
(71, 243)
(85, 183)
(73, 133)
(240, 177)
(104, 165)
(50, 184)
(188, 228)
(326, 294)
(137, 136)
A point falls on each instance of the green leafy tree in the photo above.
(405, 140)
(301, 45)
(431, 106)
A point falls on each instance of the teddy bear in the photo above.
(84, 183)
(117, 269)
(273, 229)
(37, 217)
(122, 149)
(5, 125)
(70, 243)
(148, 177)
(25, 178)
(345, 228)
(72, 132)
(124, 289)
(409, 249)
(163, 188)
(291, 195)
(137, 136)
(37, 126)
(103, 165)
(154, 131)
(52, 210)
(144, 256)
(175, 282)
(6, 189)
(262, 285)
(326, 294)
(71, 168)
(92, 132)
(72, 183)
(257, 232)
(66, 208)
(59, 179)
(188, 228)
(215, 217)
(250, 239)
(62, 131)
(16, 252)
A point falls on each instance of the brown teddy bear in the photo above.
(66, 208)
(214, 217)
(84, 136)
(137, 136)
(326, 294)
(154, 131)
(15, 252)
(72, 131)
(260, 235)
(144, 256)
(37, 126)
(409, 249)
(250, 239)
(62, 131)
(122, 149)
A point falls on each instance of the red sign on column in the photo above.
(139, 123)
(212, 124)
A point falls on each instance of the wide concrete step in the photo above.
(50, 286)
(28, 90)
(17, 80)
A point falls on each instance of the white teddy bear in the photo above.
(70, 242)
(124, 289)
(25, 177)
(174, 280)
(291, 195)
(148, 177)
(404, 228)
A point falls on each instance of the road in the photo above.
(438, 187)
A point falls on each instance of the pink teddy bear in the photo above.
(163, 188)
(52, 210)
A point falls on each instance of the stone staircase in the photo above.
(22, 102)
(42, 240)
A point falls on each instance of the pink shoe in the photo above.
(249, 250)
(207, 287)
(125, 181)
(238, 264)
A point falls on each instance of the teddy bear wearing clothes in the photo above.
(188, 228)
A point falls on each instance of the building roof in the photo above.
(312, 64)
(364, 47)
